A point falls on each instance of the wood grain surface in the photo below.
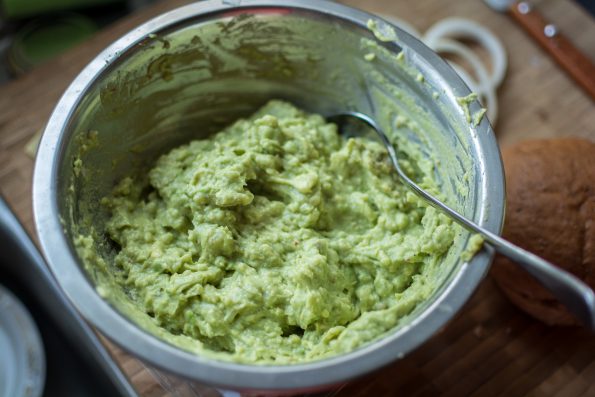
(490, 348)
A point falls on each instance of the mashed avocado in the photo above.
(276, 240)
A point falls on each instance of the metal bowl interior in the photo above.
(187, 74)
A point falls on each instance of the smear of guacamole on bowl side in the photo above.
(275, 240)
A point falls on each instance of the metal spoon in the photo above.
(567, 288)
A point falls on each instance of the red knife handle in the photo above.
(576, 64)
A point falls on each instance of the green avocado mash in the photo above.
(276, 240)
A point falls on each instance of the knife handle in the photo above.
(576, 64)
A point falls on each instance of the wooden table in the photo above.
(490, 348)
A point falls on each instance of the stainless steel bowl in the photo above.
(189, 72)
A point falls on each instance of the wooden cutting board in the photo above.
(490, 348)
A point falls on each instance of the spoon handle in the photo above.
(567, 288)
(577, 296)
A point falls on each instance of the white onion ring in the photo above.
(457, 28)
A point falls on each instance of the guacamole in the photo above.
(276, 240)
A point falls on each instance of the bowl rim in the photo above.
(310, 375)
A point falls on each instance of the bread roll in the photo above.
(550, 212)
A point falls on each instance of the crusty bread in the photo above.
(550, 212)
